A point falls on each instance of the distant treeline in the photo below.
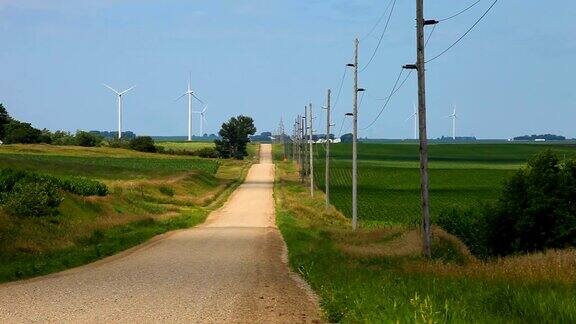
(113, 134)
(458, 138)
(547, 137)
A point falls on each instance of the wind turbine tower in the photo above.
(119, 94)
(202, 119)
(190, 95)
(454, 117)
(415, 117)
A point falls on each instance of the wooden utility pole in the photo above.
(327, 170)
(305, 144)
(420, 67)
(282, 140)
(354, 141)
(300, 133)
(311, 151)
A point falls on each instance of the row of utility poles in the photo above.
(303, 131)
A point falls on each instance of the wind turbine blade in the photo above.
(123, 92)
(204, 110)
(180, 97)
(109, 87)
(193, 95)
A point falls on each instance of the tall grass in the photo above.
(381, 285)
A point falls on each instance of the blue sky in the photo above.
(512, 75)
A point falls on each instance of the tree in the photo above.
(235, 136)
(346, 138)
(536, 210)
(19, 132)
(143, 144)
(4, 120)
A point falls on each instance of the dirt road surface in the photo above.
(230, 269)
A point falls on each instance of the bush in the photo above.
(62, 138)
(32, 199)
(470, 226)
(536, 211)
(75, 185)
(9, 178)
(19, 132)
(87, 139)
(206, 152)
(82, 186)
(143, 144)
(168, 191)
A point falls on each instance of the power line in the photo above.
(430, 35)
(340, 88)
(460, 12)
(381, 37)
(378, 22)
(387, 100)
(466, 33)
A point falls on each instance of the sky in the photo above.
(512, 75)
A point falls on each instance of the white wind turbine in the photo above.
(415, 116)
(202, 119)
(119, 94)
(454, 117)
(190, 95)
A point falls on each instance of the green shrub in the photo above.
(536, 211)
(165, 190)
(118, 143)
(469, 225)
(8, 178)
(30, 198)
(206, 152)
(87, 139)
(82, 186)
(62, 138)
(76, 185)
(143, 144)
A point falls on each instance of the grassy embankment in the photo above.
(378, 275)
(149, 194)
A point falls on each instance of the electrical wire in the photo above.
(387, 100)
(466, 33)
(399, 87)
(381, 37)
(361, 98)
(378, 22)
(430, 35)
(340, 88)
(460, 12)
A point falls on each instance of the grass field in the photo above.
(377, 275)
(148, 194)
(461, 175)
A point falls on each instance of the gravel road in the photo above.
(230, 269)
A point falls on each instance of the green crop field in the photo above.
(104, 166)
(461, 175)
